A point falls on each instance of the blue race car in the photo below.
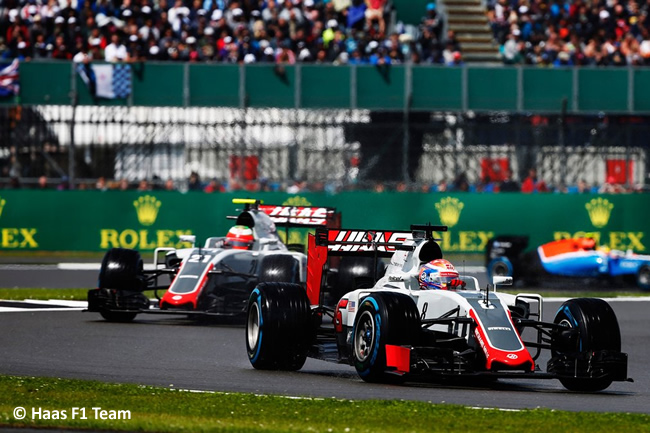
(566, 261)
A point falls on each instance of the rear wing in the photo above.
(294, 216)
(300, 216)
(351, 242)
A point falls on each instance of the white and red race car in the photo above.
(213, 280)
(390, 329)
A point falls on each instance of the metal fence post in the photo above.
(74, 99)
(408, 83)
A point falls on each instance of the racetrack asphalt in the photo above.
(172, 352)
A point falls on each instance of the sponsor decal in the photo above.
(361, 240)
(297, 201)
(449, 209)
(477, 334)
(147, 208)
(17, 237)
(599, 210)
(498, 328)
(464, 240)
(297, 214)
(141, 239)
(512, 356)
(614, 240)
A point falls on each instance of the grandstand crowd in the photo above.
(536, 32)
(531, 184)
(572, 33)
(229, 31)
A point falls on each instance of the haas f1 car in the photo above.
(213, 280)
(392, 330)
(566, 261)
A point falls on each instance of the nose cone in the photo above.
(175, 301)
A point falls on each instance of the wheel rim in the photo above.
(500, 270)
(253, 326)
(644, 277)
(364, 337)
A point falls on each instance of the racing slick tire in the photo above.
(118, 316)
(592, 326)
(279, 329)
(382, 318)
(122, 271)
(279, 268)
(643, 277)
(499, 267)
(355, 273)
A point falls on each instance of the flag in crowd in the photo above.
(106, 81)
(9, 80)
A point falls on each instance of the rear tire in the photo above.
(499, 267)
(278, 327)
(355, 273)
(382, 318)
(594, 327)
(279, 268)
(643, 278)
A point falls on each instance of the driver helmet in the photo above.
(240, 238)
(437, 274)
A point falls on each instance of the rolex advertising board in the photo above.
(97, 221)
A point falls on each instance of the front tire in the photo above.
(121, 282)
(383, 318)
(121, 269)
(278, 327)
(117, 316)
(591, 325)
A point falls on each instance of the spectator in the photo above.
(583, 187)
(375, 12)
(42, 183)
(169, 185)
(214, 186)
(100, 185)
(144, 185)
(115, 51)
(194, 182)
(532, 183)
(461, 183)
(508, 184)
(64, 185)
(611, 186)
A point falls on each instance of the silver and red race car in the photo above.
(392, 330)
(213, 280)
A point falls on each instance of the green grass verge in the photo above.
(18, 294)
(166, 410)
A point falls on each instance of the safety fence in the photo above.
(333, 150)
(387, 87)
